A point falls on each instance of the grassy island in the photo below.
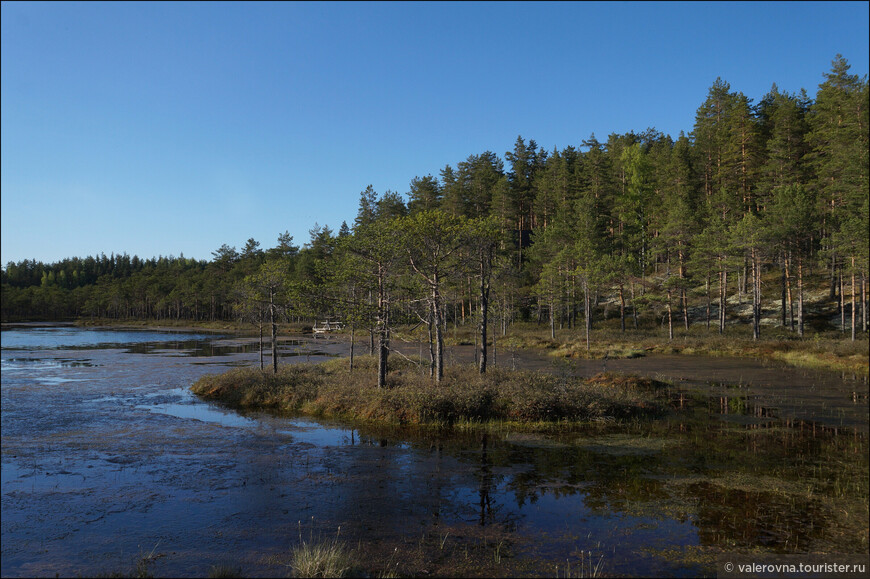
(520, 398)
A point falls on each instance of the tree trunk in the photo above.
(274, 333)
(758, 290)
(756, 295)
(519, 244)
(723, 293)
(863, 300)
(431, 332)
(670, 319)
(505, 316)
(383, 344)
(475, 346)
(383, 352)
(494, 349)
(800, 288)
(782, 288)
(842, 303)
(788, 292)
(485, 264)
(260, 326)
(572, 316)
(853, 298)
(707, 288)
(352, 334)
(552, 318)
(684, 299)
(633, 306)
(588, 312)
(439, 338)
(622, 308)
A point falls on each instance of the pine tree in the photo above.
(378, 246)
(838, 140)
(431, 240)
(425, 194)
(712, 135)
(269, 287)
(481, 237)
(783, 127)
(792, 222)
(367, 211)
(679, 219)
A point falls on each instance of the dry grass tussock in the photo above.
(327, 558)
(463, 396)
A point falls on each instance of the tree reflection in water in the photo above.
(485, 477)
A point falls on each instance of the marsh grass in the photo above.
(141, 565)
(827, 350)
(824, 351)
(464, 397)
(319, 557)
(326, 558)
(589, 566)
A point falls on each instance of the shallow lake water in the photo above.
(107, 458)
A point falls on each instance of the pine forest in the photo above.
(751, 220)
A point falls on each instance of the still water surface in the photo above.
(106, 457)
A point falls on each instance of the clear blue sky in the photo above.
(162, 129)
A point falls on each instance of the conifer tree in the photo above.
(378, 246)
(425, 194)
(431, 240)
(838, 140)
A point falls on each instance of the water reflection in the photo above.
(72, 338)
(162, 343)
(129, 456)
(486, 478)
(735, 486)
(34, 363)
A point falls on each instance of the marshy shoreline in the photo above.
(830, 350)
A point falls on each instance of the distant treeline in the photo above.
(662, 226)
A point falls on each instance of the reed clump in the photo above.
(330, 389)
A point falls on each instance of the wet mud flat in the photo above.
(107, 459)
